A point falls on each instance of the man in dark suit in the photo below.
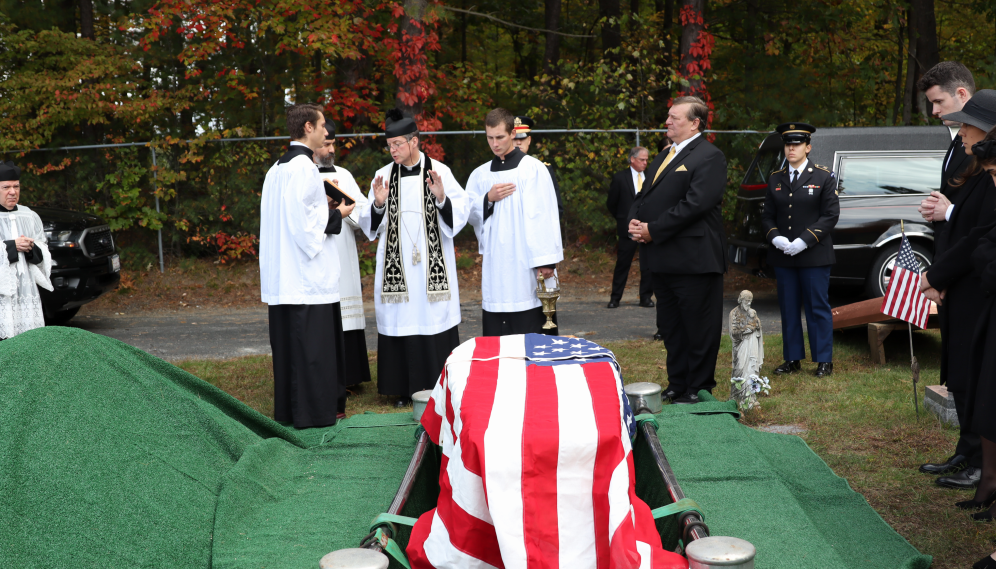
(678, 218)
(960, 212)
(625, 186)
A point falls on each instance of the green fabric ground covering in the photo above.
(283, 506)
(110, 457)
(776, 493)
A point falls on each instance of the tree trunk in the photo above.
(908, 98)
(551, 55)
(316, 63)
(634, 6)
(900, 50)
(750, 51)
(463, 29)
(86, 19)
(688, 64)
(411, 64)
(927, 52)
(611, 36)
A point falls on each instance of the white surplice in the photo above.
(298, 262)
(418, 316)
(350, 290)
(521, 234)
(20, 303)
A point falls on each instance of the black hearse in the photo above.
(85, 264)
(882, 173)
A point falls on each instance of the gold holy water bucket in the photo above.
(549, 299)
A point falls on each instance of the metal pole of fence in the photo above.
(637, 137)
(155, 178)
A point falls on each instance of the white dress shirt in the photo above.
(800, 170)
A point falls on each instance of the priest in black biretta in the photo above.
(416, 209)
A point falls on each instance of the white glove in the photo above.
(795, 247)
(781, 242)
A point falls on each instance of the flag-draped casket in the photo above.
(537, 468)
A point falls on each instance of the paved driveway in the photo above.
(200, 334)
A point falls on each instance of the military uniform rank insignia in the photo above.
(778, 188)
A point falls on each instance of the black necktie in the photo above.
(795, 176)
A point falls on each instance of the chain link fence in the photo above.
(201, 196)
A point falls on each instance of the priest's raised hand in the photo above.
(435, 184)
(499, 192)
(380, 191)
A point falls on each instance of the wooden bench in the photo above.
(869, 313)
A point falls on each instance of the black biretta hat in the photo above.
(522, 126)
(979, 111)
(795, 132)
(329, 130)
(9, 172)
(397, 123)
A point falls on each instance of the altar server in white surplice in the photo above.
(415, 208)
(299, 278)
(25, 263)
(514, 212)
(350, 290)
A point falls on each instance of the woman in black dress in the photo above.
(981, 406)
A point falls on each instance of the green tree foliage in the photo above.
(185, 75)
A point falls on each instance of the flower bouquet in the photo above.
(745, 390)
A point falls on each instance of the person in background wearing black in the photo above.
(981, 401)
(800, 212)
(626, 185)
(972, 208)
(678, 219)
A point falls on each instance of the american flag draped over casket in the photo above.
(537, 468)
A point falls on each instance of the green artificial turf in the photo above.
(110, 457)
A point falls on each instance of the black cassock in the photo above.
(308, 368)
(409, 364)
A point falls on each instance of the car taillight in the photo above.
(753, 187)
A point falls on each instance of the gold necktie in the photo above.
(639, 181)
(667, 161)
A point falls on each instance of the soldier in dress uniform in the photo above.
(522, 140)
(800, 212)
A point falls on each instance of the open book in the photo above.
(336, 193)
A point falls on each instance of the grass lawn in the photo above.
(860, 421)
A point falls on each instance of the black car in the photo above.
(84, 261)
(882, 174)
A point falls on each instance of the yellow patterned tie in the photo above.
(667, 161)
(639, 181)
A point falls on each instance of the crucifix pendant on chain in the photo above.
(416, 255)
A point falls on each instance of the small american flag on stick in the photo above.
(904, 299)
